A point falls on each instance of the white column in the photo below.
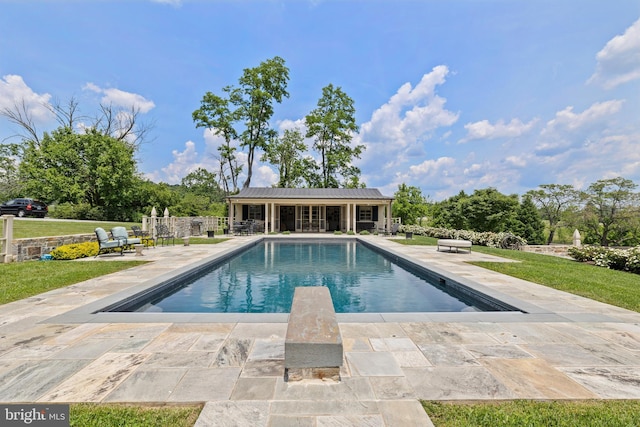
(353, 216)
(232, 214)
(348, 215)
(273, 217)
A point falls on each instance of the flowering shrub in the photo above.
(486, 238)
(75, 251)
(616, 259)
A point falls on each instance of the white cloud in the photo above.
(396, 132)
(120, 98)
(411, 113)
(485, 130)
(432, 168)
(516, 161)
(14, 92)
(183, 163)
(567, 120)
(175, 3)
(263, 176)
(584, 164)
(619, 60)
(569, 129)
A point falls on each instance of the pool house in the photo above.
(311, 210)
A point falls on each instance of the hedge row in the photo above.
(75, 251)
(485, 238)
(615, 259)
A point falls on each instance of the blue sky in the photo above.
(450, 95)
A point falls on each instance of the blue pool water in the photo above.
(263, 278)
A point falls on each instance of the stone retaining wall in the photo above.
(557, 250)
(34, 248)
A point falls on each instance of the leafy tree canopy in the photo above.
(332, 124)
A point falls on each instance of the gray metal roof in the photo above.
(310, 193)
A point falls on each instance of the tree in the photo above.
(90, 168)
(449, 214)
(118, 123)
(333, 124)
(609, 207)
(259, 88)
(553, 200)
(490, 210)
(253, 99)
(201, 182)
(409, 204)
(215, 114)
(286, 154)
(9, 181)
(528, 224)
(484, 210)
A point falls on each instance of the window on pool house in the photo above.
(255, 212)
(366, 213)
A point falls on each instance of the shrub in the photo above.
(615, 259)
(633, 260)
(485, 238)
(75, 251)
(364, 233)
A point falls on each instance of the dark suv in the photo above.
(24, 207)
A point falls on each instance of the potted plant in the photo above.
(211, 233)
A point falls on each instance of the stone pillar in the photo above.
(576, 238)
(154, 222)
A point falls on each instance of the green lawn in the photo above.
(593, 413)
(609, 286)
(87, 414)
(24, 279)
(39, 228)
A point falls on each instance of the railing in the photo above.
(6, 239)
(182, 226)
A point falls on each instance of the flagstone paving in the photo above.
(566, 347)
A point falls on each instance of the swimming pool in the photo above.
(262, 280)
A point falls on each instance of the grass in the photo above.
(614, 287)
(593, 413)
(86, 414)
(39, 228)
(205, 240)
(25, 279)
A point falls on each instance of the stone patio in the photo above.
(566, 347)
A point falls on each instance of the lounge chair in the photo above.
(120, 233)
(164, 234)
(107, 245)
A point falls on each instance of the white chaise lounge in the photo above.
(454, 243)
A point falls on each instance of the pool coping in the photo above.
(93, 312)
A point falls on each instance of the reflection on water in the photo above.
(263, 279)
